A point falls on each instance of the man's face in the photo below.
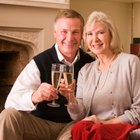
(68, 34)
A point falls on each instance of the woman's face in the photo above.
(98, 38)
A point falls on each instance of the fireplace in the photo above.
(17, 47)
(13, 58)
(26, 29)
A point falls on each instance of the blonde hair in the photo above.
(98, 16)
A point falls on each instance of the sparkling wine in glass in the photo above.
(56, 74)
(68, 74)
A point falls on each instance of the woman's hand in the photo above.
(67, 90)
(93, 118)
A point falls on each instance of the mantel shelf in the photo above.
(60, 4)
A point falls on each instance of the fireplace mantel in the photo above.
(31, 37)
(61, 4)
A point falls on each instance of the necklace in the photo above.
(102, 65)
(104, 75)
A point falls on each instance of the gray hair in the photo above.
(69, 13)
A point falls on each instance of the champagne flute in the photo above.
(56, 74)
(68, 74)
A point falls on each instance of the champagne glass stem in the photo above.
(68, 77)
(56, 76)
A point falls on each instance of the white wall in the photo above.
(136, 18)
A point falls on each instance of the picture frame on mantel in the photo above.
(61, 4)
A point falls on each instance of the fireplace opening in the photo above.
(8, 63)
(13, 58)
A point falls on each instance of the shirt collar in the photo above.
(62, 59)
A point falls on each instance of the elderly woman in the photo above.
(108, 93)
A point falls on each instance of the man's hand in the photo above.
(45, 92)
